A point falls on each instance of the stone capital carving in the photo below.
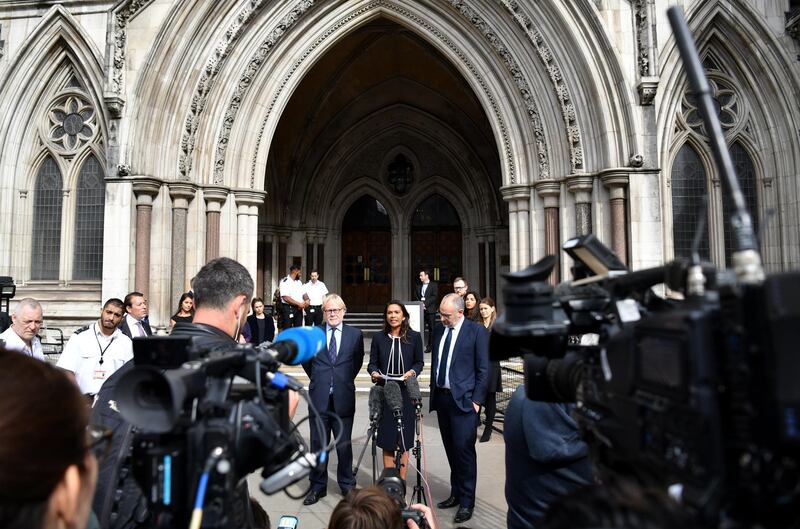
(114, 103)
(581, 186)
(647, 89)
(215, 197)
(515, 192)
(181, 194)
(249, 197)
(146, 189)
(616, 181)
(550, 191)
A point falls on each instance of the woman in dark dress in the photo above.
(396, 351)
(261, 326)
(488, 315)
(185, 310)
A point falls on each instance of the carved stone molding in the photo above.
(122, 14)
(332, 29)
(550, 191)
(145, 190)
(644, 23)
(249, 197)
(548, 59)
(215, 197)
(181, 194)
(616, 181)
(647, 88)
(515, 192)
(514, 69)
(213, 64)
(581, 186)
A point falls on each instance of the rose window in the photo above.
(72, 122)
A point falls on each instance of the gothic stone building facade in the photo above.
(369, 138)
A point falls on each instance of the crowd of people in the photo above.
(220, 312)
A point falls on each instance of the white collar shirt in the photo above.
(315, 291)
(83, 354)
(15, 343)
(136, 327)
(292, 288)
(455, 330)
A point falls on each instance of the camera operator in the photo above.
(47, 466)
(373, 508)
(545, 458)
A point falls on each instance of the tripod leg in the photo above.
(363, 450)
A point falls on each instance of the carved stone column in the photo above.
(518, 198)
(581, 187)
(214, 197)
(145, 190)
(181, 194)
(617, 184)
(550, 192)
(247, 202)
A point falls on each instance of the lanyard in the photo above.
(102, 351)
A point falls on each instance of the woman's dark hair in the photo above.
(180, 302)
(369, 508)
(473, 313)
(253, 304)
(43, 419)
(403, 326)
(487, 301)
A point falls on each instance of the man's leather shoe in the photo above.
(449, 502)
(314, 496)
(463, 514)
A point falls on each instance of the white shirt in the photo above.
(454, 331)
(82, 356)
(292, 288)
(315, 292)
(137, 329)
(15, 343)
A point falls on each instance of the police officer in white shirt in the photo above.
(22, 335)
(315, 290)
(95, 352)
(292, 302)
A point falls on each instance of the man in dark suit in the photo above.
(459, 378)
(427, 292)
(332, 388)
(135, 323)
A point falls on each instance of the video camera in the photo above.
(697, 395)
(391, 483)
(199, 434)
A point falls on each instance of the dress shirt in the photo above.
(15, 343)
(422, 290)
(455, 330)
(315, 292)
(136, 327)
(338, 337)
(82, 356)
(292, 288)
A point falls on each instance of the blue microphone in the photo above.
(296, 345)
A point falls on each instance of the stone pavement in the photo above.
(490, 507)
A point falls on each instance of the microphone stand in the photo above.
(418, 494)
(398, 454)
(372, 434)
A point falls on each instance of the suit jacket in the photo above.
(469, 367)
(349, 360)
(431, 295)
(127, 331)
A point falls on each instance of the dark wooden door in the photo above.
(366, 270)
(440, 252)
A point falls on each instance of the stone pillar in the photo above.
(617, 183)
(181, 194)
(550, 192)
(247, 202)
(214, 197)
(581, 187)
(518, 198)
(145, 190)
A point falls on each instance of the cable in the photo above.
(197, 512)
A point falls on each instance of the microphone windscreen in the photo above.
(376, 402)
(412, 385)
(394, 398)
(309, 341)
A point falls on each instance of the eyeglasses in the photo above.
(460, 288)
(332, 311)
(99, 441)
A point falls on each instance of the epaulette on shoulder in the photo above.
(84, 328)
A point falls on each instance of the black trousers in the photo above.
(430, 320)
(292, 316)
(314, 318)
(459, 433)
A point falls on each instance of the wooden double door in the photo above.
(366, 270)
(438, 251)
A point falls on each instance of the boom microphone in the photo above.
(295, 346)
(376, 400)
(412, 385)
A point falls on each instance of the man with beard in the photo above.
(94, 352)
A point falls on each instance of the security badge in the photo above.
(100, 373)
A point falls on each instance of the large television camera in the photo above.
(200, 433)
(697, 395)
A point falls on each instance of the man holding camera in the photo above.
(459, 378)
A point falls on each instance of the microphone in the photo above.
(376, 400)
(394, 398)
(291, 473)
(294, 346)
(412, 385)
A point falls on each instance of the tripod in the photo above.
(372, 434)
(418, 494)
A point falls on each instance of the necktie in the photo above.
(332, 346)
(442, 373)
(141, 328)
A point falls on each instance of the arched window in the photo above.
(688, 182)
(90, 204)
(46, 248)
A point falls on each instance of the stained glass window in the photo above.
(90, 204)
(46, 244)
(746, 174)
(688, 183)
